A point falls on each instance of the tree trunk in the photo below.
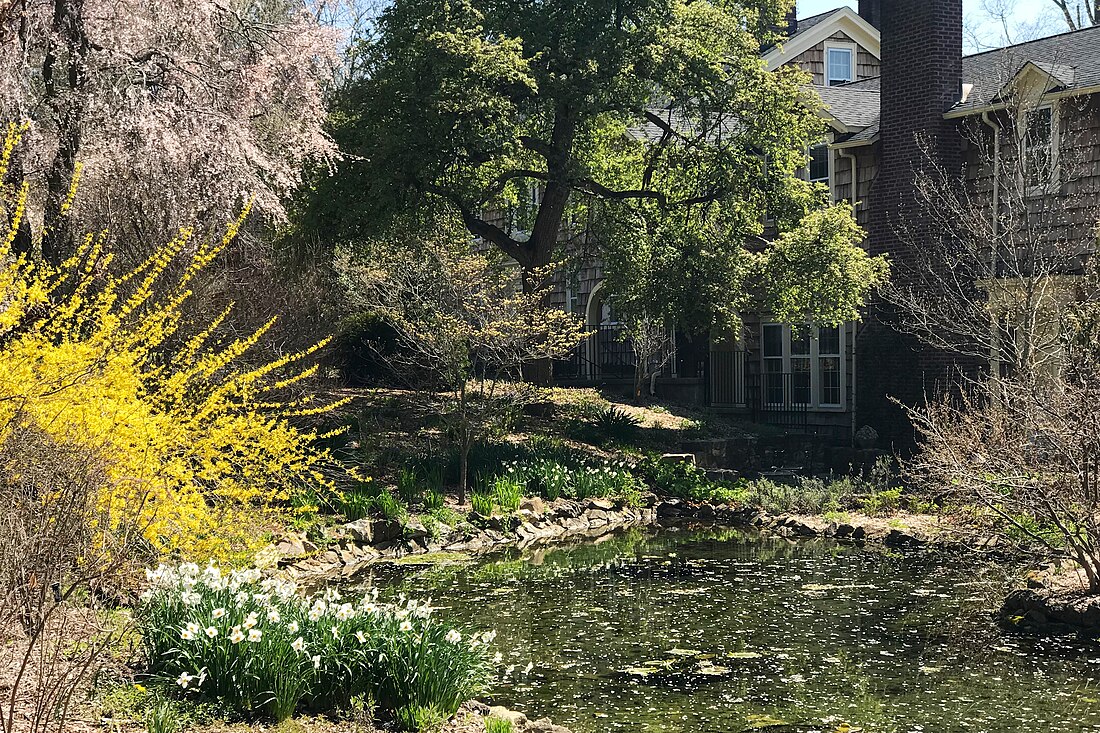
(63, 79)
(463, 470)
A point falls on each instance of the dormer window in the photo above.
(840, 65)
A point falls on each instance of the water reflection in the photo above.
(716, 631)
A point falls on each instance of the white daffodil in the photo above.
(292, 627)
(370, 608)
(236, 635)
(250, 621)
(189, 568)
(184, 680)
(316, 661)
(273, 615)
(335, 632)
(217, 613)
(331, 594)
(254, 635)
(498, 658)
(298, 645)
(190, 598)
(361, 636)
(211, 631)
(241, 599)
(453, 636)
(345, 612)
(187, 635)
(406, 625)
(488, 637)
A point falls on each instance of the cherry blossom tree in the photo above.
(170, 112)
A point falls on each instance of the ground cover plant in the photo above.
(265, 651)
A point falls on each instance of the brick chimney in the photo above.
(871, 11)
(921, 79)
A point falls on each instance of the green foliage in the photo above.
(482, 503)
(467, 106)
(262, 650)
(386, 506)
(507, 493)
(498, 725)
(357, 503)
(409, 487)
(433, 500)
(614, 423)
(679, 480)
(163, 716)
(420, 719)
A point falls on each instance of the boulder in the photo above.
(518, 720)
(678, 458)
(415, 530)
(534, 505)
(295, 545)
(904, 539)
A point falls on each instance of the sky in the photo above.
(1028, 19)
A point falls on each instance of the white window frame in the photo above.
(1055, 181)
(815, 358)
(853, 51)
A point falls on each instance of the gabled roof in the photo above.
(1069, 63)
(811, 31)
(1062, 65)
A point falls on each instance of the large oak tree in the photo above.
(650, 130)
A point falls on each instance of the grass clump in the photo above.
(498, 725)
(262, 650)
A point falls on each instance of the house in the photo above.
(899, 95)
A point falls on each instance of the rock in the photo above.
(415, 530)
(705, 511)
(670, 508)
(722, 474)
(904, 539)
(373, 531)
(844, 530)
(866, 437)
(535, 505)
(1048, 611)
(519, 720)
(295, 546)
(544, 725)
(678, 458)
(601, 504)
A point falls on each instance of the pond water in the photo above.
(716, 631)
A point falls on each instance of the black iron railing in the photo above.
(727, 379)
(780, 398)
(606, 354)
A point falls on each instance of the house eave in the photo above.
(845, 20)
(957, 114)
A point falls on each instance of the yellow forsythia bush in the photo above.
(195, 447)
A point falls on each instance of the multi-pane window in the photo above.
(1039, 155)
(839, 66)
(774, 357)
(829, 358)
(819, 164)
(802, 366)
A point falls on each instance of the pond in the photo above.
(715, 631)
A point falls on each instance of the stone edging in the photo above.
(358, 544)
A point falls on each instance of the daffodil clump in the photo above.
(191, 431)
(264, 649)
